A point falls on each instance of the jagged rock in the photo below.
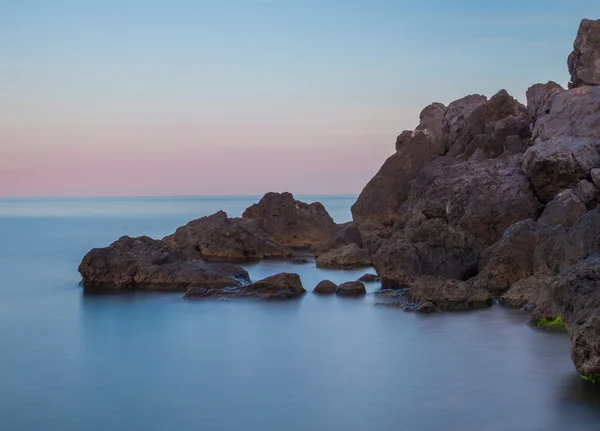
(565, 209)
(482, 198)
(511, 258)
(586, 192)
(558, 163)
(348, 256)
(292, 223)
(388, 189)
(539, 98)
(351, 288)
(446, 294)
(278, 286)
(574, 113)
(481, 122)
(526, 292)
(432, 248)
(576, 296)
(369, 278)
(219, 238)
(456, 115)
(584, 61)
(147, 264)
(325, 287)
(346, 233)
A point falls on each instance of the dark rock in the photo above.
(279, 286)
(456, 116)
(349, 256)
(526, 292)
(427, 308)
(446, 294)
(539, 98)
(147, 264)
(586, 192)
(219, 238)
(558, 164)
(292, 223)
(584, 61)
(369, 278)
(325, 287)
(511, 258)
(565, 209)
(346, 233)
(299, 261)
(595, 174)
(433, 248)
(351, 288)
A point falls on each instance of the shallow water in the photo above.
(146, 361)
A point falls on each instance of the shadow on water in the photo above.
(578, 391)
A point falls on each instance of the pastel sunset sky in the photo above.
(211, 97)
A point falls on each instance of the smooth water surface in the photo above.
(145, 361)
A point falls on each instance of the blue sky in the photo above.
(264, 74)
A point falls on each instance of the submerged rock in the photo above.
(445, 294)
(369, 278)
(279, 286)
(347, 257)
(351, 288)
(144, 263)
(325, 287)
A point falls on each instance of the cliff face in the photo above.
(502, 196)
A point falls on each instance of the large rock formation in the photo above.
(292, 223)
(147, 264)
(219, 238)
(446, 294)
(584, 61)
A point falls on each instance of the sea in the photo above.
(154, 361)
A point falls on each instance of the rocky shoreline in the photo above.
(486, 199)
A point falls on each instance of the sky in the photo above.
(231, 97)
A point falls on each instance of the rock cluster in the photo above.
(492, 198)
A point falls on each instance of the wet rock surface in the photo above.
(346, 257)
(325, 287)
(351, 288)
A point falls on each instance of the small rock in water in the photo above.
(325, 287)
(351, 288)
(300, 261)
(369, 278)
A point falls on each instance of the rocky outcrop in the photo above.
(346, 257)
(433, 247)
(346, 233)
(456, 116)
(279, 286)
(220, 238)
(584, 61)
(147, 264)
(539, 98)
(565, 209)
(325, 287)
(526, 292)
(445, 294)
(587, 192)
(292, 223)
(351, 288)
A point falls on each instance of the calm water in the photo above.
(156, 362)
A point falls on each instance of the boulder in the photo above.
(369, 278)
(576, 295)
(456, 115)
(349, 256)
(595, 174)
(433, 247)
(351, 288)
(144, 263)
(510, 259)
(586, 192)
(539, 98)
(481, 122)
(279, 286)
(525, 293)
(346, 233)
(558, 163)
(584, 61)
(574, 113)
(325, 287)
(292, 223)
(446, 294)
(565, 209)
(484, 198)
(220, 238)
